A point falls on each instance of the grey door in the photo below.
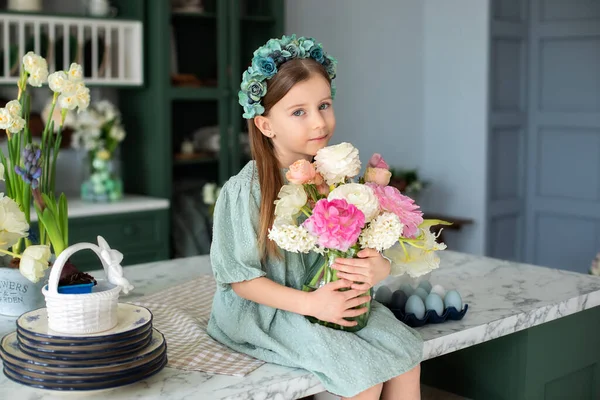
(563, 135)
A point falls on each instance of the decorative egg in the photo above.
(421, 293)
(383, 295)
(438, 289)
(425, 285)
(434, 302)
(406, 288)
(398, 300)
(415, 305)
(453, 299)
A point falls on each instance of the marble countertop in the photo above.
(503, 297)
(129, 203)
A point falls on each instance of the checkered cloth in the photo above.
(181, 313)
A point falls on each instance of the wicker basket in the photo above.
(90, 312)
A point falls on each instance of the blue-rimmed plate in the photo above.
(129, 318)
(11, 352)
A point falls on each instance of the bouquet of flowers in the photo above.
(29, 171)
(323, 210)
(99, 131)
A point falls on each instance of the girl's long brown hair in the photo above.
(263, 152)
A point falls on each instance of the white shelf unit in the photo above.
(110, 51)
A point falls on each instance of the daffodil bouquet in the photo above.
(322, 209)
(29, 169)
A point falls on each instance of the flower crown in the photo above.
(264, 66)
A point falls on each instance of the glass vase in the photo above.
(102, 181)
(324, 275)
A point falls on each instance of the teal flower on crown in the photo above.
(265, 66)
(316, 53)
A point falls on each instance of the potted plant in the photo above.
(29, 175)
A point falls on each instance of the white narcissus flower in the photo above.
(292, 238)
(362, 196)
(82, 96)
(38, 76)
(67, 100)
(58, 81)
(75, 72)
(37, 68)
(290, 201)
(16, 124)
(5, 118)
(14, 108)
(34, 261)
(382, 233)
(13, 225)
(337, 162)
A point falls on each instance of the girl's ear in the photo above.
(264, 125)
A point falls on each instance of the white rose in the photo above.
(337, 162)
(362, 196)
(14, 108)
(291, 200)
(34, 261)
(13, 225)
(58, 81)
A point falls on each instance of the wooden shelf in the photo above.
(194, 160)
(194, 15)
(196, 93)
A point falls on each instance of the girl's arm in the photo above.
(265, 291)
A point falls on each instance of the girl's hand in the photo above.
(329, 304)
(366, 271)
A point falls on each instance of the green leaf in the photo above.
(48, 218)
(63, 218)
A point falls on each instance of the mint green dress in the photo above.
(346, 363)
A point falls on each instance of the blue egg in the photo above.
(434, 302)
(453, 299)
(406, 288)
(421, 293)
(383, 295)
(425, 285)
(414, 305)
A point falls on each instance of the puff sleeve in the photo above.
(234, 253)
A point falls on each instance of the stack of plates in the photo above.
(36, 356)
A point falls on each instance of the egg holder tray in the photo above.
(450, 313)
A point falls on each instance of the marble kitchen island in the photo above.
(530, 333)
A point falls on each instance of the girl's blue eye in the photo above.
(324, 106)
(297, 113)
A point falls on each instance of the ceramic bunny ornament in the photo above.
(112, 260)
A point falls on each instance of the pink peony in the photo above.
(336, 224)
(377, 161)
(302, 172)
(391, 200)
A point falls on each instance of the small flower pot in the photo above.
(17, 293)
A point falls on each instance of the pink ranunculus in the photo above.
(336, 224)
(379, 176)
(301, 172)
(377, 161)
(391, 200)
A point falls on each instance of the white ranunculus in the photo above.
(382, 233)
(290, 201)
(337, 162)
(292, 238)
(362, 196)
(13, 225)
(34, 261)
(14, 108)
(58, 81)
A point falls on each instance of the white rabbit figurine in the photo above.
(114, 271)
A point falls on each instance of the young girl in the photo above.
(259, 307)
